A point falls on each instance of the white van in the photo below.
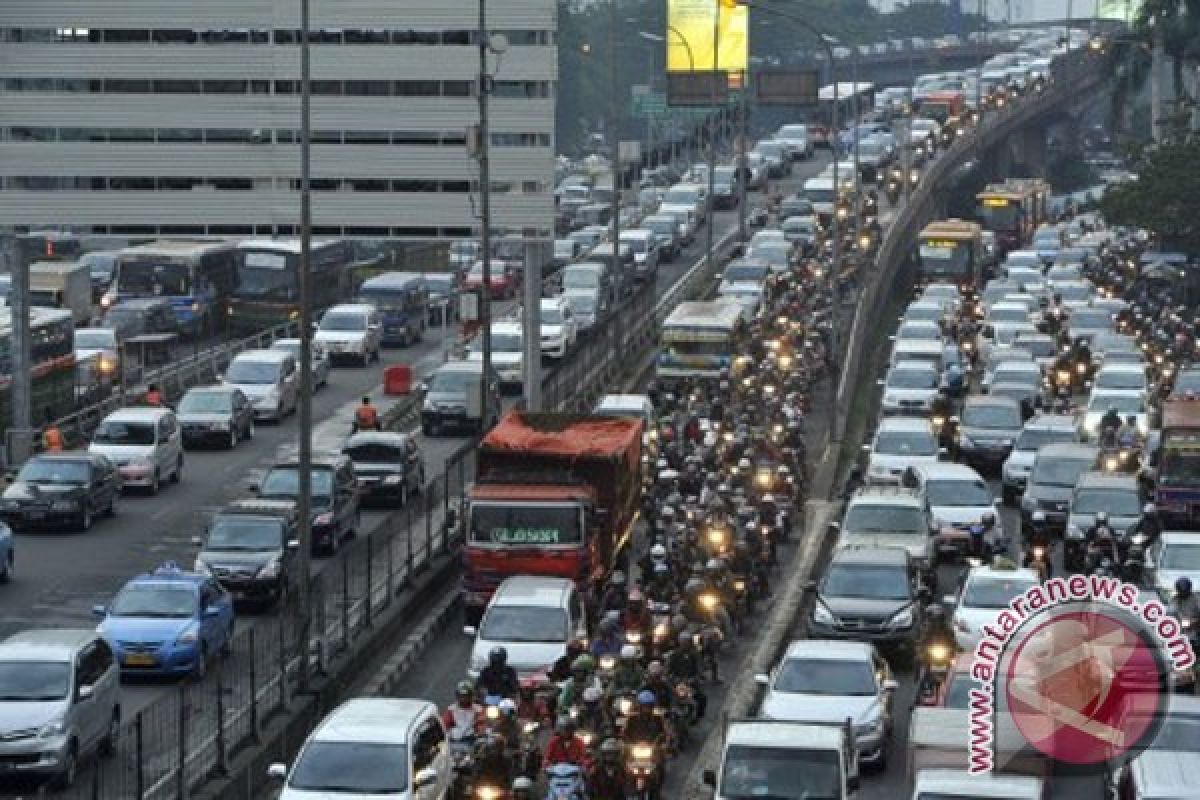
(145, 444)
(371, 748)
(269, 378)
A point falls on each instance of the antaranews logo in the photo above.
(1079, 669)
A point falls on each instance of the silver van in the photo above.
(60, 693)
(145, 443)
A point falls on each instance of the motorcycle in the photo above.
(642, 768)
(564, 782)
(936, 666)
(1038, 559)
(462, 762)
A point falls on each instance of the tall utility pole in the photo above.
(858, 182)
(304, 482)
(614, 143)
(485, 204)
(743, 114)
(20, 442)
(979, 68)
(531, 333)
(712, 138)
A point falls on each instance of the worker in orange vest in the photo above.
(52, 438)
(366, 417)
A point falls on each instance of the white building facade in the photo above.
(178, 117)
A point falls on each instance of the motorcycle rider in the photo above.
(608, 639)
(937, 647)
(498, 678)
(684, 665)
(613, 598)
(1127, 434)
(1110, 423)
(1150, 526)
(564, 746)
(581, 678)
(1186, 604)
(1038, 536)
(628, 675)
(522, 788)
(1101, 541)
(644, 725)
(979, 535)
(561, 670)
(593, 714)
(636, 617)
(656, 681)
(492, 765)
(606, 780)
(464, 717)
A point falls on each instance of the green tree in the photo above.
(1165, 198)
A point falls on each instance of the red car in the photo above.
(503, 279)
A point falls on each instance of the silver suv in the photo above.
(59, 699)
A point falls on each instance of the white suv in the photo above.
(558, 328)
(351, 332)
(533, 618)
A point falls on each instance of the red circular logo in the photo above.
(1085, 687)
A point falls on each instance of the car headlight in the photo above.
(270, 569)
(324, 518)
(392, 480)
(220, 425)
(55, 727)
(902, 619)
(190, 636)
(822, 615)
(202, 567)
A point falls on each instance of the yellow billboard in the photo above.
(689, 36)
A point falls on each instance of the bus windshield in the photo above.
(1179, 467)
(945, 258)
(263, 275)
(1000, 218)
(387, 299)
(154, 276)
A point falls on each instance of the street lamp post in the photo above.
(712, 140)
(483, 90)
(304, 460)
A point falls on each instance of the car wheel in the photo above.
(250, 430)
(201, 671)
(1009, 496)
(108, 745)
(70, 767)
(6, 574)
(334, 543)
(233, 438)
(178, 473)
(227, 645)
(154, 484)
(426, 429)
(404, 495)
(112, 503)
(85, 516)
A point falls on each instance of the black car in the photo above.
(335, 508)
(250, 548)
(215, 414)
(141, 316)
(389, 466)
(61, 490)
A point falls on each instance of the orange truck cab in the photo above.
(555, 495)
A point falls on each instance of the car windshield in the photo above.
(1008, 314)
(344, 321)
(501, 343)
(125, 433)
(863, 518)
(1185, 557)
(374, 453)
(992, 417)
(929, 333)
(54, 470)
(582, 302)
(581, 279)
(1120, 379)
(958, 493)
(1124, 403)
(34, 681)
(252, 372)
(357, 768)
(1083, 318)
(1061, 472)
(912, 378)
(924, 313)
(552, 316)
(826, 676)
(206, 403)
(958, 695)
(866, 581)
(1012, 373)
(1188, 381)
(284, 482)
(524, 624)
(525, 526)
(780, 773)
(905, 443)
(1033, 438)
(746, 273)
(244, 532)
(150, 600)
(1038, 348)
(95, 340)
(993, 592)
(773, 252)
(1117, 502)
(452, 382)
(680, 196)
(153, 276)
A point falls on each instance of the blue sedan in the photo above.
(168, 622)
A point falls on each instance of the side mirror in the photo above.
(762, 679)
(293, 544)
(469, 630)
(866, 448)
(943, 451)
(881, 382)
(212, 611)
(425, 778)
(949, 600)
(277, 772)
(99, 610)
(85, 692)
(197, 541)
(890, 685)
(810, 587)
(710, 778)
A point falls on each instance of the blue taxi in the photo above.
(168, 622)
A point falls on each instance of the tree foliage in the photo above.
(1165, 198)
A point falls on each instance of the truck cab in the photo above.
(771, 758)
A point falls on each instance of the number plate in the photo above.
(139, 660)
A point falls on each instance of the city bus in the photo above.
(1013, 211)
(267, 290)
(952, 250)
(699, 340)
(196, 276)
(52, 356)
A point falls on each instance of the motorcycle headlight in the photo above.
(939, 653)
(642, 752)
(823, 615)
(902, 619)
(709, 601)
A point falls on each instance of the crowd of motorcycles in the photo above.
(723, 485)
(1166, 332)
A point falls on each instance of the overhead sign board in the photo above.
(786, 87)
(709, 89)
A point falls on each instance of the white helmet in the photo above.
(628, 652)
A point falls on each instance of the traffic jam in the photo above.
(1038, 417)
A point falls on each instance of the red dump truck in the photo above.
(555, 495)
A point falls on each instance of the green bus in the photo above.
(52, 354)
